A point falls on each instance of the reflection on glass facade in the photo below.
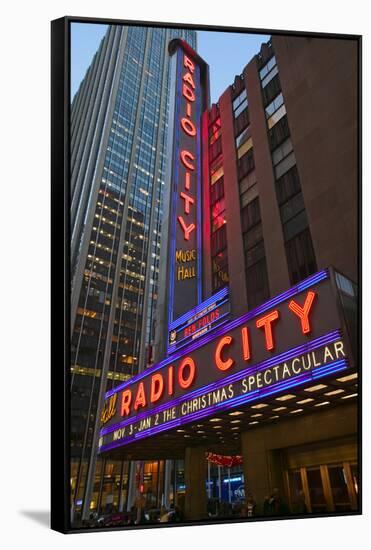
(225, 490)
(118, 133)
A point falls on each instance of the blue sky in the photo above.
(226, 53)
(85, 39)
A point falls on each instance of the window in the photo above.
(215, 149)
(255, 254)
(288, 185)
(214, 131)
(279, 133)
(216, 170)
(252, 236)
(274, 105)
(268, 72)
(246, 163)
(247, 182)
(285, 165)
(250, 193)
(218, 240)
(295, 225)
(271, 90)
(218, 214)
(219, 257)
(241, 122)
(282, 151)
(267, 67)
(240, 103)
(291, 202)
(300, 257)
(256, 271)
(273, 119)
(246, 146)
(292, 207)
(250, 215)
(217, 191)
(298, 243)
(243, 136)
(219, 269)
(269, 76)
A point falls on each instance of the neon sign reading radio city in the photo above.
(186, 372)
(186, 157)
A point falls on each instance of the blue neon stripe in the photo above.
(304, 348)
(178, 345)
(337, 365)
(256, 395)
(191, 313)
(187, 322)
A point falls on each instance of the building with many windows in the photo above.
(118, 156)
(278, 173)
(281, 150)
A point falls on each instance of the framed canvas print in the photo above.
(206, 274)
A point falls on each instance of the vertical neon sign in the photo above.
(185, 285)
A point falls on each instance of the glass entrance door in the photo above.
(316, 490)
(323, 488)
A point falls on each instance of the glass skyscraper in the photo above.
(118, 162)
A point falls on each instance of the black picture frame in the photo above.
(60, 260)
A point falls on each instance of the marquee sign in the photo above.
(202, 319)
(185, 285)
(293, 339)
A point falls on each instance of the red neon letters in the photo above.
(303, 312)
(140, 400)
(172, 379)
(125, 402)
(245, 343)
(266, 323)
(157, 387)
(188, 64)
(220, 363)
(188, 93)
(185, 382)
(187, 229)
(187, 158)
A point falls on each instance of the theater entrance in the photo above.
(330, 485)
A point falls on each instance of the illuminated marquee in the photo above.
(198, 321)
(293, 339)
(185, 289)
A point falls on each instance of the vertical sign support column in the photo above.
(185, 289)
(185, 205)
(181, 281)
